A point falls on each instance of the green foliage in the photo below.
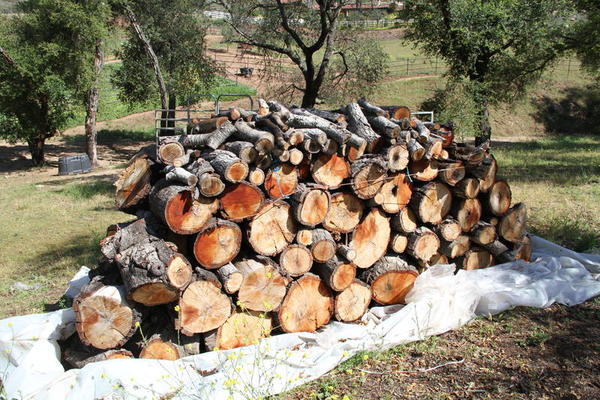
(586, 38)
(498, 47)
(177, 38)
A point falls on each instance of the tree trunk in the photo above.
(91, 108)
(36, 148)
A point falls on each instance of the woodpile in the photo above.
(253, 223)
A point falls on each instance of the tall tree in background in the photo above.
(499, 47)
(307, 34)
(46, 67)
(585, 38)
(164, 52)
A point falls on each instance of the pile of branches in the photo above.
(280, 220)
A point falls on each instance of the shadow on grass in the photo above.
(109, 136)
(577, 112)
(574, 233)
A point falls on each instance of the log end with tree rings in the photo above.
(336, 273)
(467, 212)
(310, 204)
(422, 244)
(424, 170)
(158, 349)
(394, 194)
(272, 229)
(217, 243)
(179, 271)
(483, 233)
(263, 287)
(296, 260)
(307, 306)
(323, 246)
(513, 225)
(432, 202)
(391, 278)
(401, 113)
(103, 317)
(154, 294)
(133, 183)
(397, 157)
(169, 152)
(370, 238)
(488, 179)
(353, 302)
(281, 181)
(210, 185)
(230, 278)
(467, 188)
(456, 247)
(367, 178)
(345, 212)
(256, 176)
(330, 170)
(498, 198)
(398, 243)
(404, 221)
(203, 307)
(240, 201)
(448, 230)
(475, 258)
(451, 172)
(242, 329)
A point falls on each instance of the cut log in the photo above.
(169, 151)
(455, 248)
(371, 109)
(448, 230)
(103, 317)
(176, 207)
(203, 307)
(467, 212)
(424, 170)
(523, 249)
(81, 356)
(398, 112)
(307, 306)
(266, 124)
(354, 148)
(333, 131)
(483, 233)
(256, 176)
(391, 278)
(432, 202)
(384, 127)
(323, 246)
(241, 329)
(330, 147)
(370, 238)
(281, 181)
(296, 156)
(451, 172)
(438, 258)
(296, 260)
(474, 258)
(497, 199)
(331, 116)
(263, 286)
(217, 243)
(180, 175)
(486, 172)
(209, 183)
(310, 204)
(230, 278)
(304, 237)
(205, 125)
(264, 161)
(397, 157)
(244, 150)
(227, 165)
(467, 188)
(513, 224)
(240, 201)
(394, 194)
(422, 244)
(336, 273)
(398, 243)
(157, 348)
(497, 248)
(294, 136)
(133, 183)
(416, 151)
(353, 302)
(272, 229)
(405, 221)
(358, 124)
(211, 140)
(368, 175)
(433, 147)
(330, 170)
(346, 252)
(263, 141)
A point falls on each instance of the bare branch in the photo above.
(285, 24)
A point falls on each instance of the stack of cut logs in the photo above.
(281, 219)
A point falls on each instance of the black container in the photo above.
(77, 164)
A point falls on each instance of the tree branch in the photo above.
(346, 69)
(285, 25)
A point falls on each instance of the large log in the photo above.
(169, 151)
(371, 109)
(422, 244)
(296, 260)
(272, 229)
(474, 258)
(468, 188)
(424, 170)
(353, 302)
(307, 306)
(404, 221)
(336, 273)
(281, 181)
(467, 212)
(513, 224)
(432, 202)
(390, 278)
(394, 194)
(370, 238)
(217, 243)
(497, 199)
(241, 329)
(310, 204)
(358, 124)
(176, 206)
(333, 131)
(227, 165)
(263, 141)
(133, 183)
(397, 157)
(103, 317)
(263, 286)
(451, 172)
(240, 201)
(330, 170)
(244, 150)
(345, 212)
(368, 175)
(322, 246)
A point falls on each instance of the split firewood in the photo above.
(370, 238)
(391, 278)
(133, 184)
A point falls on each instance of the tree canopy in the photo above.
(585, 39)
(498, 47)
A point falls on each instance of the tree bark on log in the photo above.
(370, 238)
(474, 258)
(467, 188)
(180, 175)
(227, 165)
(455, 248)
(448, 230)
(483, 233)
(451, 172)
(244, 150)
(497, 199)
(310, 204)
(391, 278)
(230, 278)
(336, 273)
(371, 109)
(133, 184)
(307, 306)
(422, 244)
(404, 221)
(384, 127)
(358, 124)
(263, 141)
(513, 223)
(209, 183)
(467, 212)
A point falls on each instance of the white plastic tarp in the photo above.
(441, 300)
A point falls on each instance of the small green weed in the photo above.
(537, 337)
